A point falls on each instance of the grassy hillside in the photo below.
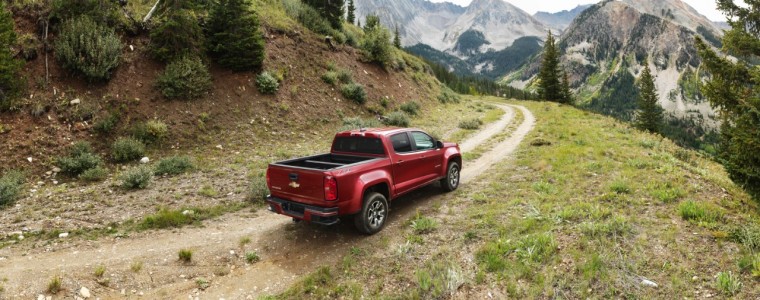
(588, 208)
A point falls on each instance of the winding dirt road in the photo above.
(146, 265)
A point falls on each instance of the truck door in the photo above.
(405, 161)
(430, 164)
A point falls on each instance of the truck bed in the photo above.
(325, 161)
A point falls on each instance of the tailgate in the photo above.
(300, 185)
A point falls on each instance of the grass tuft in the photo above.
(728, 284)
(252, 257)
(185, 255)
(54, 286)
(699, 212)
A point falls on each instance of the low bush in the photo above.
(258, 189)
(10, 187)
(151, 131)
(107, 124)
(179, 35)
(354, 92)
(94, 174)
(186, 78)
(251, 257)
(307, 16)
(397, 118)
(470, 124)
(185, 255)
(127, 149)
(80, 159)
(448, 96)
(90, 49)
(330, 77)
(357, 123)
(136, 178)
(345, 76)
(174, 165)
(412, 108)
(267, 83)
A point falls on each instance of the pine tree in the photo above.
(351, 17)
(234, 40)
(9, 67)
(332, 10)
(567, 95)
(649, 115)
(397, 39)
(370, 22)
(733, 89)
(549, 88)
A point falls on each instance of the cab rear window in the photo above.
(358, 145)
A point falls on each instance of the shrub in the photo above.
(377, 45)
(54, 286)
(166, 218)
(107, 124)
(411, 108)
(234, 39)
(186, 78)
(448, 96)
(100, 11)
(748, 235)
(80, 159)
(151, 131)
(354, 92)
(178, 36)
(470, 124)
(345, 76)
(251, 257)
(330, 77)
(307, 16)
(29, 45)
(185, 255)
(127, 149)
(174, 165)
(88, 48)
(267, 84)
(10, 187)
(728, 284)
(258, 190)
(94, 174)
(136, 178)
(357, 123)
(397, 118)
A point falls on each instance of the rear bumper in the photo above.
(314, 214)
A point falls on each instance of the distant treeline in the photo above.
(477, 85)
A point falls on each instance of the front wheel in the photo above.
(451, 181)
(371, 218)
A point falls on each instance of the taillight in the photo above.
(331, 188)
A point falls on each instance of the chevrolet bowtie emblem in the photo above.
(294, 184)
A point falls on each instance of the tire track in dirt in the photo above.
(287, 250)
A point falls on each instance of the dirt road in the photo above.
(146, 264)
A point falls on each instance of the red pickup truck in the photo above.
(364, 171)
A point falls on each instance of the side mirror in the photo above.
(439, 144)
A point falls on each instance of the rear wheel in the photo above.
(371, 218)
(451, 181)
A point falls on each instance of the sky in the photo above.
(706, 7)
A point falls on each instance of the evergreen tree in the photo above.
(234, 40)
(370, 22)
(649, 115)
(397, 39)
(734, 90)
(549, 88)
(351, 17)
(567, 95)
(177, 36)
(9, 67)
(332, 10)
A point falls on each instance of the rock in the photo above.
(55, 182)
(56, 170)
(75, 101)
(21, 237)
(188, 212)
(145, 160)
(48, 173)
(63, 235)
(84, 292)
(219, 147)
(30, 159)
(649, 283)
(40, 297)
(131, 48)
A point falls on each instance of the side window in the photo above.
(401, 143)
(423, 141)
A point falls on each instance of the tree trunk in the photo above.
(150, 13)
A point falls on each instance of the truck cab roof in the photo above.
(375, 132)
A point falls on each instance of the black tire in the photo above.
(373, 215)
(451, 181)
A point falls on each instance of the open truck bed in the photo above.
(326, 161)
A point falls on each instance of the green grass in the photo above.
(99, 271)
(422, 225)
(168, 218)
(185, 255)
(54, 285)
(728, 284)
(252, 257)
(699, 212)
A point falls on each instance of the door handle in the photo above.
(399, 162)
